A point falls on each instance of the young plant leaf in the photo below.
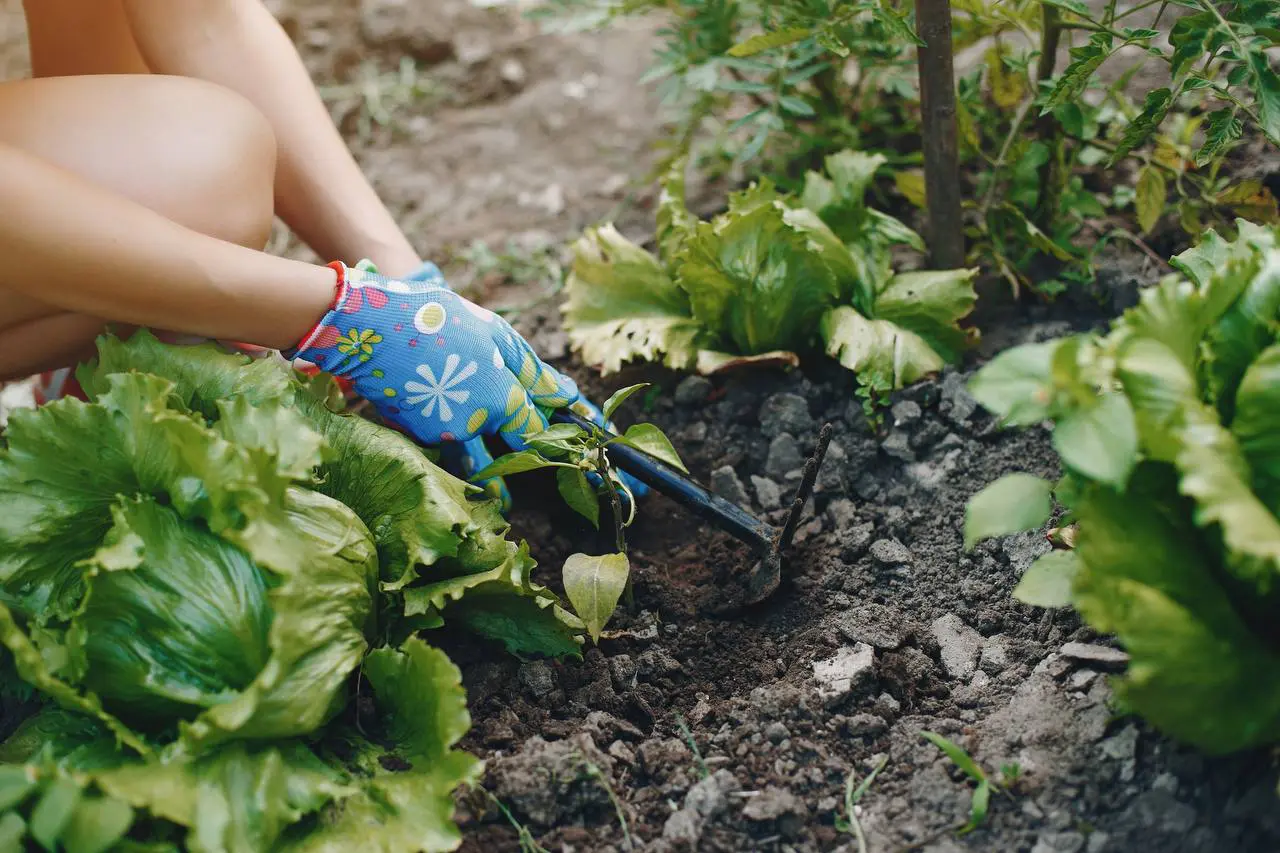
(977, 808)
(958, 756)
(1047, 583)
(1084, 61)
(651, 440)
(1101, 441)
(1012, 504)
(513, 463)
(619, 397)
(578, 494)
(1017, 385)
(594, 584)
(555, 432)
(1152, 190)
(1154, 109)
(1223, 128)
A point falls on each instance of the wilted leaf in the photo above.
(1007, 87)
(910, 182)
(1151, 192)
(1047, 583)
(1012, 504)
(768, 41)
(594, 585)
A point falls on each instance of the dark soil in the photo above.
(698, 724)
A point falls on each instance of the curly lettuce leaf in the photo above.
(931, 304)
(883, 355)
(754, 281)
(1197, 671)
(403, 811)
(621, 304)
(66, 463)
(1257, 425)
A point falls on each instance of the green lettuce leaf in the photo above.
(622, 305)
(406, 810)
(1257, 425)
(753, 280)
(1197, 671)
(931, 304)
(883, 355)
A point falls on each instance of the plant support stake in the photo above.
(938, 112)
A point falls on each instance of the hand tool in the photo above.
(770, 543)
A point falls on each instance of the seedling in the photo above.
(985, 784)
(528, 844)
(849, 821)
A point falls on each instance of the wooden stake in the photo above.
(941, 157)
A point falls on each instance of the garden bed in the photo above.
(883, 627)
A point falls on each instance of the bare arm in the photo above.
(320, 191)
(131, 265)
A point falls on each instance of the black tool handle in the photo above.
(662, 478)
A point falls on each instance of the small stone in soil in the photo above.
(873, 624)
(841, 513)
(693, 391)
(783, 457)
(725, 483)
(623, 672)
(898, 445)
(537, 677)
(776, 732)
(890, 552)
(839, 676)
(1023, 549)
(854, 540)
(865, 724)
(1059, 842)
(768, 495)
(785, 413)
(696, 433)
(995, 654)
(906, 412)
(773, 803)
(1102, 656)
(959, 644)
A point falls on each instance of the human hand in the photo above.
(435, 364)
(465, 458)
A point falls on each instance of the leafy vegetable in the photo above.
(193, 565)
(1166, 428)
(594, 585)
(763, 279)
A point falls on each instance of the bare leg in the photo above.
(72, 37)
(193, 152)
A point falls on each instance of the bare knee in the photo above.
(195, 152)
(230, 186)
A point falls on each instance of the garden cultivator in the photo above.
(769, 542)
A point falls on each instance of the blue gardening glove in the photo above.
(468, 457)
(440, 367)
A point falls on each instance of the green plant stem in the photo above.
(1051, 32)
(1019, 117)
(1127, 12)
(615, 503)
